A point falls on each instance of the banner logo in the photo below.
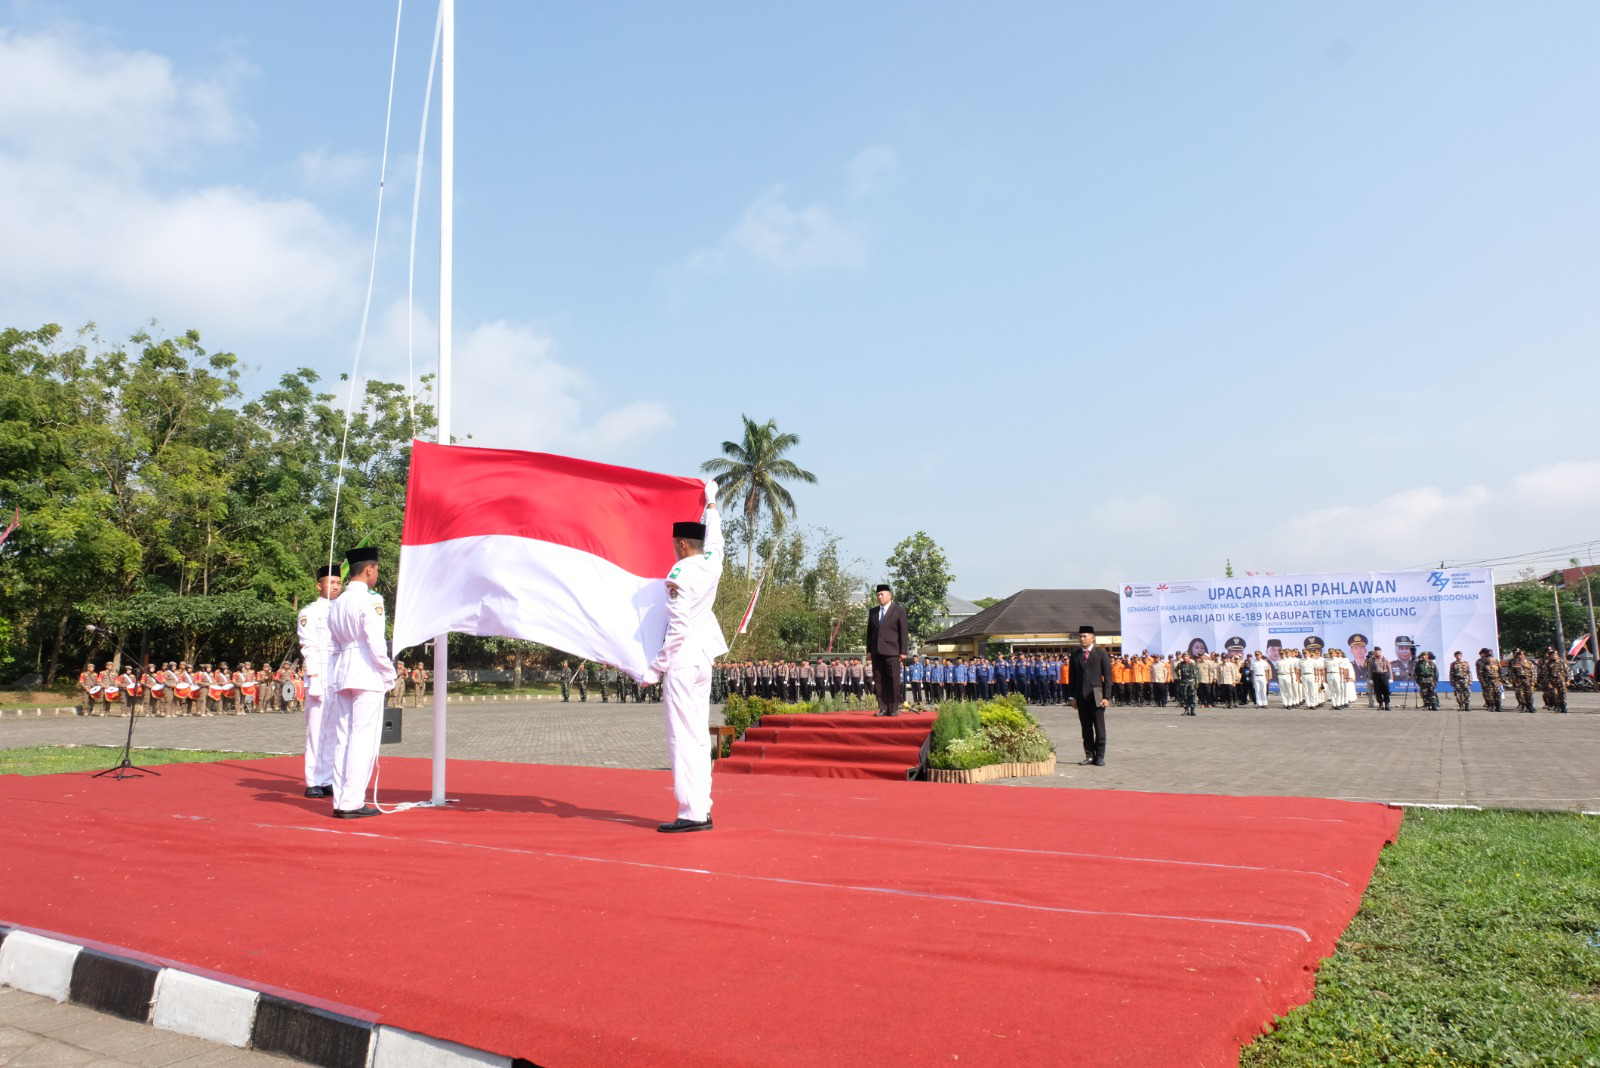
(1438, 580)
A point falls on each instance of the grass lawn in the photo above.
(1478, 943)
(50, 759)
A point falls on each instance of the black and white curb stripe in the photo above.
(172, 999)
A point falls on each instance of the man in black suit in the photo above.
(887, 639)
(1089, 687)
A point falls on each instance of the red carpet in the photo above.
(850, 745)
(822, 922)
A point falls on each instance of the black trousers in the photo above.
(886, 681)
(1092, 718)
(1380, 690)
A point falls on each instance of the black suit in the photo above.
(887, 640)
(1088, 683)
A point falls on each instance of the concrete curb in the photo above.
(145, 990)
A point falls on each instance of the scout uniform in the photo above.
(316, 650)
(360, 673)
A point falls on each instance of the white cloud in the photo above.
(871, 167)
(319, 169)
(1175, 535)
(512, 392)
(90, 234)
(771, 232)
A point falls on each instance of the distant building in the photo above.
(955, 611)
(1043, 621)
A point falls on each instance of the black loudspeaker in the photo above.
(391, 725)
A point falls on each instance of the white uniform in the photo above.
(1261, 669)
(694, 640)
(316, 649)
(359, 675)
(1347, 681)
(1289, 681)
(1315, 689)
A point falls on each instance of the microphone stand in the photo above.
(125, 767)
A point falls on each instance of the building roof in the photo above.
(1042, 612)
(956, 608)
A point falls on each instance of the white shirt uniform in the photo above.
(359, 675)
(694, 640)
(1289, 681)
(316, 651)
(1262, 674)
(1315, 689)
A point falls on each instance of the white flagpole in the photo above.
(447, 151)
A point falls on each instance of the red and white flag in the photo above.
(1578, 645)
(545, 548)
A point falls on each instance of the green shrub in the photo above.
(999, 713)
(957, 719)
(1016, 701)
(1021, 745)
(963, 754)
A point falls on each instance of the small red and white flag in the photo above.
(750, 609)
(1578, 645)
(16, 519)
(546, 548)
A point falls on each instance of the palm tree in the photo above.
(750, 474)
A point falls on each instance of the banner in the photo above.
(1407, 613)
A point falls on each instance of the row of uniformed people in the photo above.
(796, 680)
(174, 689)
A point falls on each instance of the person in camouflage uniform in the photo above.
(1521, 674)
(1427, 676)
(1188, 677)
(1489, 679)
(1553, 680)
(1461, 681)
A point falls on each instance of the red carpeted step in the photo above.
(844, 745)
(906, 756)
(847, 720)
(825, 770)
(864, 736)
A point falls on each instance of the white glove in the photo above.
(711, 492)
(649, 678)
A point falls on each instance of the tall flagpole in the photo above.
(447, 163)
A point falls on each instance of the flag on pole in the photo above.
(744, 624)
(545, 548)
(15, 520)
(1578, 645)
(835, 634)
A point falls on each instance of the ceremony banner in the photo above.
(1407, 613)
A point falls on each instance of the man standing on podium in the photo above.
(360, 674)
(887, 639)
(1089, 689)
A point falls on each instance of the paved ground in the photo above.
(1449, 757)
(1541, 761)
(36, 1031)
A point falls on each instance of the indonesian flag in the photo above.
(546, 548)
(1577, 646)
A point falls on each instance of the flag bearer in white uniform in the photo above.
(694, 640)
(359, 676)
(316, 649)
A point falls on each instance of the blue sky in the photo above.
(1088, 293)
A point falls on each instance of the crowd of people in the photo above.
(175, 688)
(1309, 678)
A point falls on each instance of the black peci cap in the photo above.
(1085, 630)
(689, 531)
(361, 555)
(883, 587)
(330, 571)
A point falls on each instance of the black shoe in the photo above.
(316, 791)
(1099, 761)
(892, 713)
(355, 813)
(1086, 761)
(880, 713)
(681, 825)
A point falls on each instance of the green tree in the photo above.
(1526, 615)
(988, 602)
(921, 578)
(750, 474)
